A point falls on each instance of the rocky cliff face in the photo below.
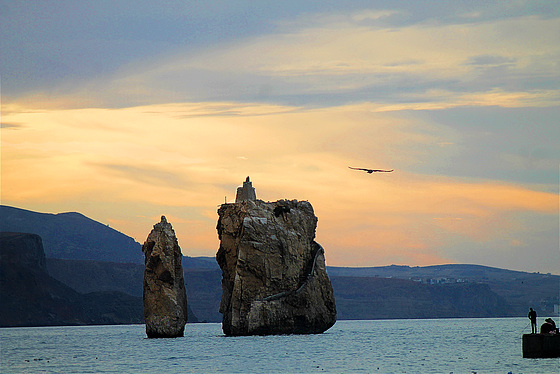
(165, 298)
(31, 297)
(274, 277)
(21, 249)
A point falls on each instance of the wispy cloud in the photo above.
(12, 126)
(340, 58)
(156, 175)
(345, 56)
(492, 60)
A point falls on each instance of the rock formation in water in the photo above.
(274, 277)
(165, 298)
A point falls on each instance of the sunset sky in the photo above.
(127, 110)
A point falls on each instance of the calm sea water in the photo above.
(382, 346)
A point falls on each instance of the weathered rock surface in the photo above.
(274, 277)
(165, 298)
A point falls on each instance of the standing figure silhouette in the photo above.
(533, 317)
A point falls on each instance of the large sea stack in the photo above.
(274, 277)
(165, 298)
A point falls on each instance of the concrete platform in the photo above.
(541, 346)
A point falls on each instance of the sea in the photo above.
(379, 346)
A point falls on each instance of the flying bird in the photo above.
(369, 171)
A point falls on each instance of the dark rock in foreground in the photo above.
(274, 277)
(165, 298)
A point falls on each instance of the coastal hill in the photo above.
(357, 297)
(87, 265)
(204, 286)
(72, 236)
(519, 289)
(31, 297)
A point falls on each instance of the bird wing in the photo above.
(358, 168)
(372, 170)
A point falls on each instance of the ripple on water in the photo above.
(426, 346)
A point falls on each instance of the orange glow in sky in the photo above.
(463, 104)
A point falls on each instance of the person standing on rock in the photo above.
(533, 317)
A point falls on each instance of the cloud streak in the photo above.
(505, 62)
(324, 59)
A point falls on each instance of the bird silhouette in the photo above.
(369, 171)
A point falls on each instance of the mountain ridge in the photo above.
(359, 291)
(22, 220)
(72, 235)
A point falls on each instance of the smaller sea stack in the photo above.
(165, 297)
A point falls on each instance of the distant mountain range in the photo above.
(93, 259)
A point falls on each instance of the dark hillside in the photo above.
(99, 259)
(484, 295)
(356, 297)
(31, 297)
(383, 298)
(72, 236)
(204, 287)
(521, 290)
(204, 293)
(455, 271)
(96, 276)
